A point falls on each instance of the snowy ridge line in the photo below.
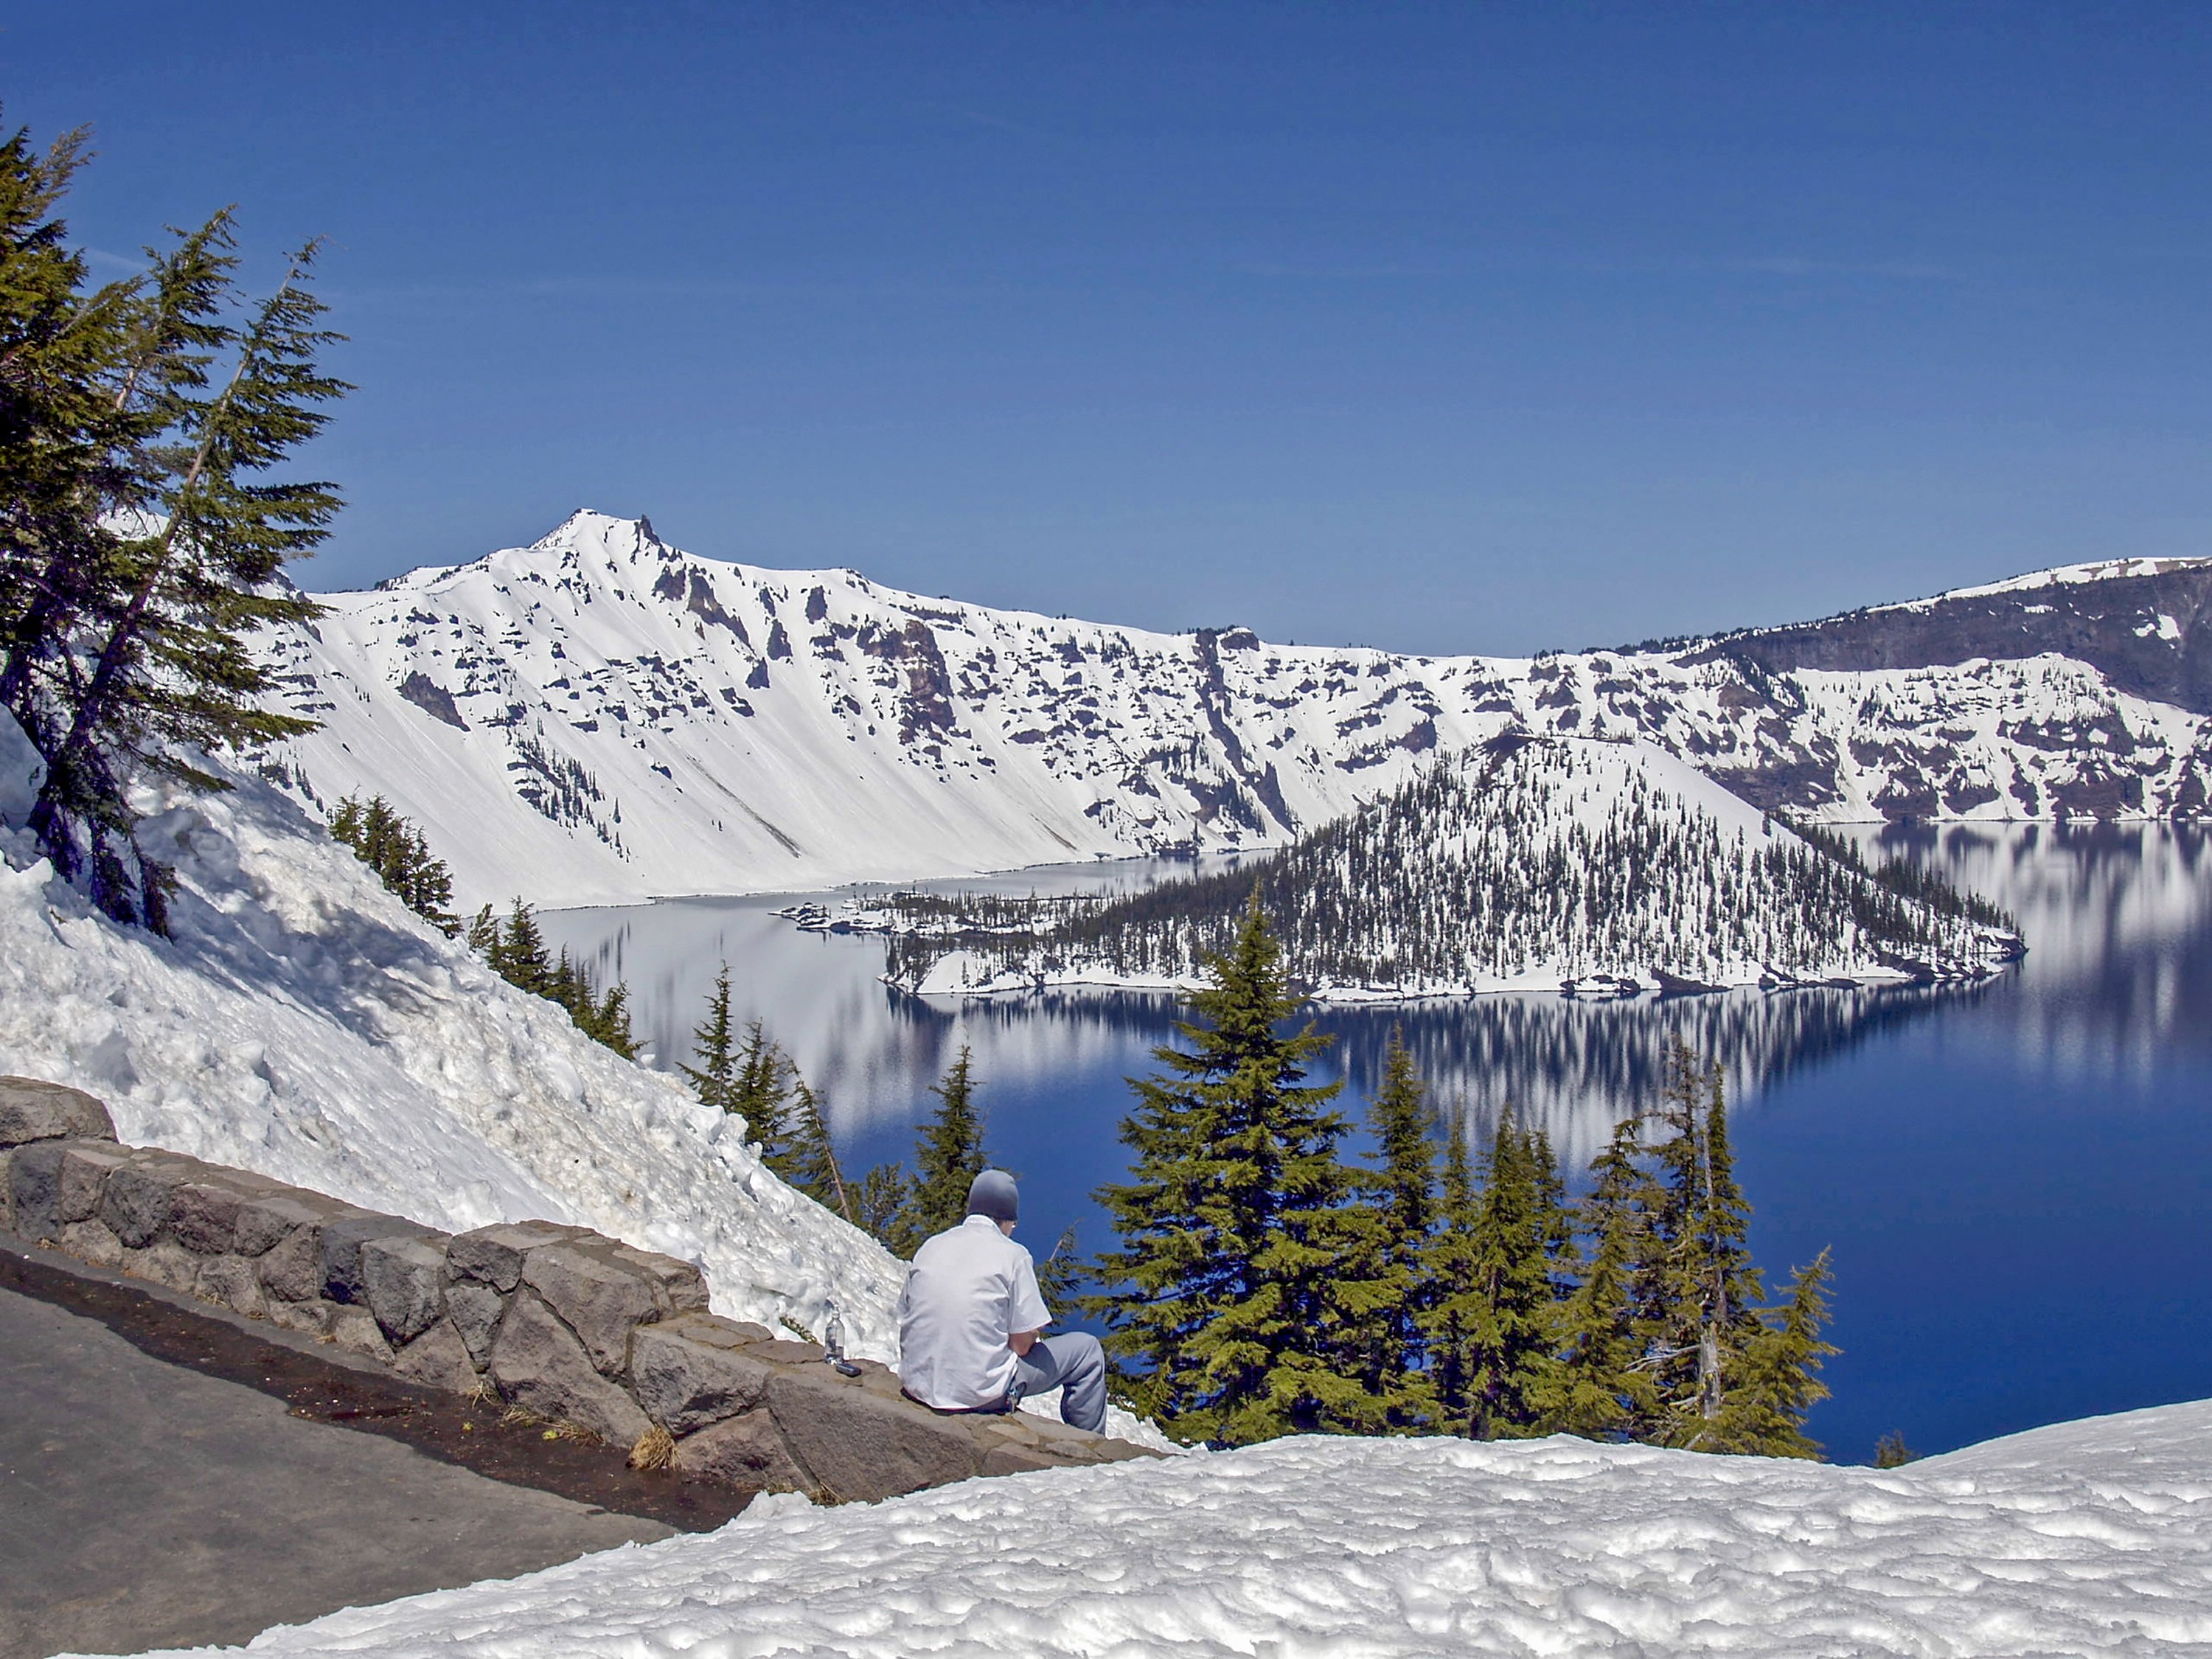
(1530, 865)
(600, 718)
(2086, 1538)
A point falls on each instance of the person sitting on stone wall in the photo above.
(971, 1321)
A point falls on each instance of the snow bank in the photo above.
(2093, 1537)
(302, 1022)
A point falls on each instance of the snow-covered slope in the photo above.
(1524, 864)
(302, 1022)
(2087, 1538)
(601, 718)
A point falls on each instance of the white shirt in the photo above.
(970, 1288)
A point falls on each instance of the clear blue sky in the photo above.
(1439, 327)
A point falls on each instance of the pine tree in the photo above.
(948, 1156)
(1709, 1288)
(1776, 1384)
(1448, 1291)
(715, 1079)
(813, 1164)
(1513, 1329)
(881, 1203)
(1230, 1288)
(159, 651)
(1404, 1190)
(1599, 1389)
(400, 854)
(519, 957)
(761, 1091)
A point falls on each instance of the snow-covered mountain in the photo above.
(601, 718)
(1525, 864)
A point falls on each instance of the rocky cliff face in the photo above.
(601, 718)
(2136, 622)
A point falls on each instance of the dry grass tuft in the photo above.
(655, 1450)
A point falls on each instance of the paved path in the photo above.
(144, 1504)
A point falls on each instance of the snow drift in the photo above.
(2091, 1537)
(303, 1023)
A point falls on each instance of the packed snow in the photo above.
(304, 1024)
(600, 719)
(2091, 1537)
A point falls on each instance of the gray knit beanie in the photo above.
(992, 1193)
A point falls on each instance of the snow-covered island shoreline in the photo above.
(2083, 1538)
(1525, 865)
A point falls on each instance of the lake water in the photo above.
(2013, 1176)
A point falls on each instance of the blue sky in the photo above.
(1436, 327)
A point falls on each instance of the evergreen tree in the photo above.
(1404, 1189)
(1710, 1289)
(1448, 1289)
(1890, 1451)
(160, 658)
(1599, 1390)
(714, 1078)
(483, 935)
(813, 1164)
(761, 1091)
(948, 1155)
(138, 539)
(1512, 1334)
(519, 956)
(881, 1206)
(1231, 1287)
(400, 855)
(1776, 1383)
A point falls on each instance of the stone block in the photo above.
(82, 1178)
(34, 1178)
(540, 1365)
(264, 1222)
(312, 1315)
(692, 1371)
(292, 1270)
(30, 1110)
(439, 1359)
(1103, 1450)
(230, 1281)
(741, 1451)
(165, 1262)
(356, 1330)
(678, 1285)
(136, 1200)
(1012, 1458)
(597, 1294)
(475, 1309)
(493, 1255)
(403, 1280)
(859, 1445)
(91, 1241)
(341, 1242)
(204, 1215)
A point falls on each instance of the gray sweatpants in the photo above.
(1076, 1365)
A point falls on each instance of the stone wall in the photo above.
(557, 1321)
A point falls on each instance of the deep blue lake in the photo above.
(2013, 1176)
